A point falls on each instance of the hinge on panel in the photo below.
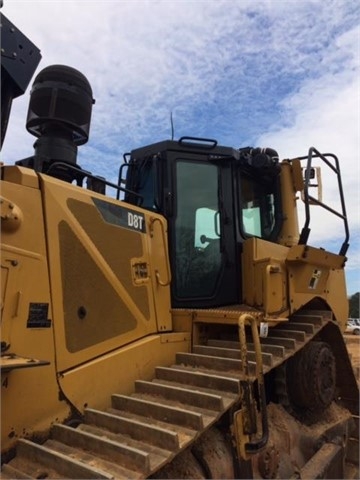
(11, 215)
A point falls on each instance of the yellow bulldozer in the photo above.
(179, 327)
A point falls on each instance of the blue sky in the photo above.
(283, 74)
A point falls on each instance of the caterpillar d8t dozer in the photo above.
(182, 327)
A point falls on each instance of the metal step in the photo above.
(275, 350)
(137, 430)
(11, 473)
(316, 320)
(162, 412)
(307, 328)
(230, 353)
(288, 343)
(98, 465)
(184, 396)
(45, 460)
(296, 335)
(212, 363)
(130, 458)
(189, 376)
(157, 456)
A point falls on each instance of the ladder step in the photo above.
(230, 353)
(128, 457)
(299, 336)
(87, 457)
(9, 472)
(212, 363)
(198, 379)
(157, 455)
(134, 428)
(164, 413)
(287, 343)
(64, 465)
(314, 319)
(214, 342)
(217, 351)
(277, 350)
(208, 401)
(308, 328)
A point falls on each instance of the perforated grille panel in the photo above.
(117, 245)
(93, 310)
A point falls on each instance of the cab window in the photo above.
(257, 207)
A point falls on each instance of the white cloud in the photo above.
(325, 114)
(281, 73)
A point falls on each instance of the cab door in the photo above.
(202, 234)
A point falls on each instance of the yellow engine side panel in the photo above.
(29, 396)
(102, 273)
(82, 292)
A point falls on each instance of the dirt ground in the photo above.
(353, 346)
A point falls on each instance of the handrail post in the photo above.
(245, 423)
(163, 283)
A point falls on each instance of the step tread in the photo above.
(157, 455)
(108, 468)
(212, 363)
(209, 401)
(190, 376)
(158, 411)
(131, 458)
(58, 464)
(230, 353)
(136, 429)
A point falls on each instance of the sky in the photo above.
(282, 74)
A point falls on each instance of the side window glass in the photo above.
(257, 208)
(141, 178)
(251, 219)
(250, 210)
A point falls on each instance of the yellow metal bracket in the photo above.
(167, 281)
(245, 419)
(10, 361)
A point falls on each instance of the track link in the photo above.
(142, 432)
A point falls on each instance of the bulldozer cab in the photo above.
(213, 198)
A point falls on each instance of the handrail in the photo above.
(308, 199)
(120, 179)
(164, 239)
(253, 446)
(198, 142)
(84, 173)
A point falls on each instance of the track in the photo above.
(143, 432)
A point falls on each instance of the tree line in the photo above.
(354, 305)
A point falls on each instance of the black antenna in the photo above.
(172, 126)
